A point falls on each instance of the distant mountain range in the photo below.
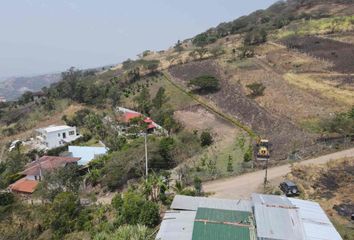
(12, 88)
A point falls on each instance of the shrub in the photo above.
(206, 139)
(131, 208)
(229, 167)
(198, 186)
(255, 37)
(6, 199)
(257, 89)
(134, 209)
(149, 215)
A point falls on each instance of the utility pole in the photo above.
(146, 156)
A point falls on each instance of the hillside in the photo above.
(331, 186)
(284, 74)
(12, 88)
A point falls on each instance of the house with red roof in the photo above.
(34, 172)
(24, 186)
(126, 116)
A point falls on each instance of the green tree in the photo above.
(206, 139)
(257, 89)
(26, 97)
(65, 179)
(205, 83)
(160, 99)
(178, 47)
(152, 65)
(248, 154)
(203, 39)
(197, 185)
(115, 142)
(229, 167)
(255, 37)
(241, 142)
(143, 101)
(6, 198)
(63, 213)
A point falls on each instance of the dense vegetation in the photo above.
(257, 24)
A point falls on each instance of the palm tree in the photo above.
(179, 188)
(152, 187)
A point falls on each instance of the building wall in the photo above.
(55, 139)
(32, 177)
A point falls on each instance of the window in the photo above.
(58, 134)
(71, 133)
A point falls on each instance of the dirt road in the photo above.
(241, 187)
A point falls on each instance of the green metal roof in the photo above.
(211, 224)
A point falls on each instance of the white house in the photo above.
(56, 136)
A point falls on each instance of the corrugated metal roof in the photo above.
(219, 215)
(192, 203)
(316, 224)
(277, 223)
(222, 225)
(271, 200)
(276, 218)
(177, 225)
(212, 231)
(86, 153)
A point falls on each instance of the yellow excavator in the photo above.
(262, 150)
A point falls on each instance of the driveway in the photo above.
(241, 187)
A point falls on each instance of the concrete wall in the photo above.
(56, 139)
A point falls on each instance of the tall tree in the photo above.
(143, 101)
(160, 99)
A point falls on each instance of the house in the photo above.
(56, 136)
(264, 217)
(34, 172)
(24, 186)
(86, 153)
(2, 99)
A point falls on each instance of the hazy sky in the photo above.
(43, 36)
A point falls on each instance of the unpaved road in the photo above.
(241, 187)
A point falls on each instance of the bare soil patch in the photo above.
(198, 118)
(341, 54)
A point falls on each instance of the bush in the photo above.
(247, 157)
(64, 212)
(255, 37)
(149, 215)
(203, 39)
(134, 209)
(197, 186)
(206, 139)
(257, 89)
(6, 199)
(205, 83)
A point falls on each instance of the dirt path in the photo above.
(241, 187)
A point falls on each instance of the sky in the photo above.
(45, 36)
